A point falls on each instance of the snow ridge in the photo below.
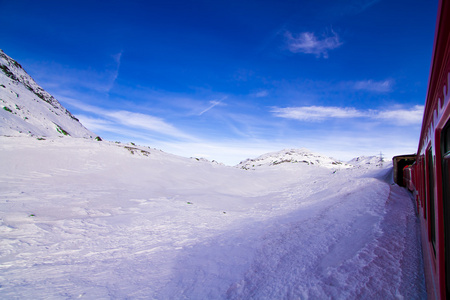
(302, 156)
(28, 109)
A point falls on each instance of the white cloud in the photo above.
(402, 116)
(109, 120)
(399, 116)
(374, 86)
(307, 42)
(143, 121)
(95, 124)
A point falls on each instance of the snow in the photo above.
(99, 220)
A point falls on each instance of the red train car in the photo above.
(407, 177)
(430, 174)
(401, 164)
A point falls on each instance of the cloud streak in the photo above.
(261, 94)
(358, 6)
(308, 43)
(374, 86)
(115, 72)
(321, 113)
(213, 104)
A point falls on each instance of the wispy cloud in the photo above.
(108, 120)
(100, 79)
(399, 116)
(374, 86)
(115, 72)
(146, 122)
(358, 6)
(95, 124)
(307, 42)
(410, 116)
(213, 104)
(261, 94)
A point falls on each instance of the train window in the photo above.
(432, 219)
(445, 147)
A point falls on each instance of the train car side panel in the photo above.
(431, 171)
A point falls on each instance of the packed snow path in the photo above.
(95, 220)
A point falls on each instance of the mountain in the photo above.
(301, 156)
(27, 109)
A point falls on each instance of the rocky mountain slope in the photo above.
(27, 109)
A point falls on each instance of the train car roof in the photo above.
(404, 156)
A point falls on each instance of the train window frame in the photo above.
(431, 197)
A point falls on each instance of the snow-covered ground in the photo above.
(98, 220)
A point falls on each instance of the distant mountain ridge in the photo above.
(26, 108)
(366, 161)
(300, 156)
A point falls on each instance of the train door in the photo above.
(445, 150)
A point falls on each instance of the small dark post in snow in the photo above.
(381, 159)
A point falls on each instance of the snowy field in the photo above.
(98, 220)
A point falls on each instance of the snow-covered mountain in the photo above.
(27, 109)
(301, 156)
(366, 161)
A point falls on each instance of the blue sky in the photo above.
(230, 80)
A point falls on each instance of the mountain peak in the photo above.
(29, 109)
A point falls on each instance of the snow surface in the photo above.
(98, 220)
